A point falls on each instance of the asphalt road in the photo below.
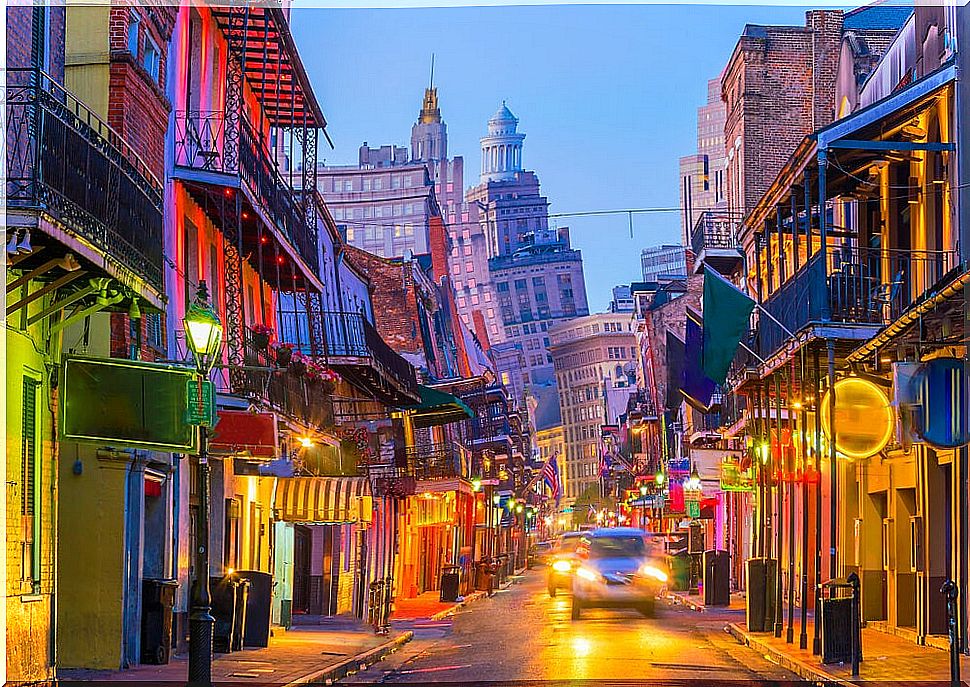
(521, 634)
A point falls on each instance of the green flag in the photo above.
(726, 315)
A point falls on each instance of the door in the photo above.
(360, 586)
(301, 569)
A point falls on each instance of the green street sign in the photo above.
(200, 411)
(693, 509)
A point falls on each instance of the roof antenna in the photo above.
(431, 85)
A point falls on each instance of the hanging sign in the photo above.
(864, 420)
(941, 392)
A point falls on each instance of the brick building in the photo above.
(778, 86)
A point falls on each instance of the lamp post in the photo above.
(203, 335)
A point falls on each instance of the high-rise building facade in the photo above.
(702, 173)
(536, 276)
(663, 263)
(591, 354)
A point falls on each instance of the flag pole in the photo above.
(773, 319)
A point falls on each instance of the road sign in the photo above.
(693, 509)
(201, 409)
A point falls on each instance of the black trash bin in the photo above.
(450, 580)
(717, 578)
(836, 613)
(760, 605)
(239, 624)
(158, 600)
(679, 564)
(258, 607)
(223, 590)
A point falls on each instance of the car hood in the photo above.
(618, 566)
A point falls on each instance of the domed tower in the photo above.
(501, 147)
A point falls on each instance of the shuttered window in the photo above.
(29, 507)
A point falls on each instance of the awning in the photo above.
(323, 500)
(438, 408)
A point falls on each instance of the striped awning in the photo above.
(323, 500)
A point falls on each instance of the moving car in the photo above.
(617, 569)
(562, 562)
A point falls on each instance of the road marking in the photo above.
(436, 669)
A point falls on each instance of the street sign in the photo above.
(201, 410)
(693, 509)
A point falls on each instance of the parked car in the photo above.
(540, 552)
(617, 569)
(562, 562)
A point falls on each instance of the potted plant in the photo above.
(284, 353)
(328, 379)
(297, 363)
(262, 335)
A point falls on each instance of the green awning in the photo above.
(437, 408)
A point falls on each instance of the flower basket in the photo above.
(284, 353)
(260, 340)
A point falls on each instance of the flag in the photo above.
(726, 315)
(605, 464)
(675, 370)
(696, 387)
(592, 511)
(550, 475)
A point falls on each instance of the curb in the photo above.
(679, 600)
(795, 665)
(354, 664)
(448, 612)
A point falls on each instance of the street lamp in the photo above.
(203, 334)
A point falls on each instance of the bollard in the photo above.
(853, 580)
(951, 592)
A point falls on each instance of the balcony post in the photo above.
(823, 232)
(770, 270)
(757, 265)
(808, 216)
(794, 229)
(782, 272)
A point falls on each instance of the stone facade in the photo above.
(590, 354)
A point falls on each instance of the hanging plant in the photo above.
(262, 335)
(284, 353)
(322, 375)
(297, 363)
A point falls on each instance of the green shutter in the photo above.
(29, 446)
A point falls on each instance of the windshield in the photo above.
(569, 544)
(617, 547)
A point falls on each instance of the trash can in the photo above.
(239, 624)
(679, 565)
(450, 579)
(222, 591)
(760, 602)
(836, 614)
(258, 607)
(717, 578)
(158, 600)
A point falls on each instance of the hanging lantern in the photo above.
(863, 417)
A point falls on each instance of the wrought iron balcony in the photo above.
(205, 143)
(865, 286)
(714, 240)
(352, 344)
(63, 161)
(276, 387)
(436, 461)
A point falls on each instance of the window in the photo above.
(468, 250)
(30, 486)
(469, 266)
(152, 58)
(133, 29)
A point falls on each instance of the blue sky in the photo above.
(606, 95)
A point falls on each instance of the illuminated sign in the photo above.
(864, 420)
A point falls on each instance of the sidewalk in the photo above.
(429, 606)
(301, 655)
(695, 602)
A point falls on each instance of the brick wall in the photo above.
(779, 86)
(137, 106)
(20, 23)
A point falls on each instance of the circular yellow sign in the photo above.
(863, 417)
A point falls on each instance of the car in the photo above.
(617, 568)
(562, 562)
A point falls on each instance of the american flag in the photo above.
(550, 475)
(605, 463)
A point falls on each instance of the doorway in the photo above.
(301, 569)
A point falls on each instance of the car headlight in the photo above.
(655, 573)
(588, 574)
(562, 566)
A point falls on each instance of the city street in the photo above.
(521, 634)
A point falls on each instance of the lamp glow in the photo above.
(203, 331)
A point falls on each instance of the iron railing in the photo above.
(200, 143)
(291, 394)
(865, 286)
(436, 461)
(63, 160)
(717, 230)
(347, 334)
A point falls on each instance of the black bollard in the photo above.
(853, 580)
(951, 592)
